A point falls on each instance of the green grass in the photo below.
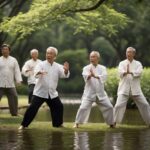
(22, 101)
(8, 122)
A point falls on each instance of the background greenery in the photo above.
(76, 28)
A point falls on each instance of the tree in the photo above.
(84, 15)
(136, 34)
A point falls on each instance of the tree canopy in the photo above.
(83, 15)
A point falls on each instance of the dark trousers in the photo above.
(30, 92)
(12, 97)
(56, 108)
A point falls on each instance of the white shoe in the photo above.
(21, 127)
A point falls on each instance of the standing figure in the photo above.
(94, 76)
(9, 74)
(28, 71)
(130, 71)
(47, 73)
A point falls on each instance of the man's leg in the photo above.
(1, 92)
(120, 107)
(32, 110)
(143, 107)
(107, 110)
(56, 108)
(12, 96)
(30, 92)
(83, 111)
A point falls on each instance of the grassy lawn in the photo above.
(22, 101)
(8, 122)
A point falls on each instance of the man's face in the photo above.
(50, 56)
(130, 54)
(94, 59)
(5, 51)
(34, 55)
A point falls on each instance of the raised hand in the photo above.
(66, 67)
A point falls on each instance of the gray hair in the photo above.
(96, 53)
(34, 51)
(131, 48)
(49, 49)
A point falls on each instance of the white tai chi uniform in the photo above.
(30, 65)
(130, 86)
(94, 88)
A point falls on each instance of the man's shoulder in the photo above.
(87, 66)
(12, 58)
(137, 61)
(101, 66)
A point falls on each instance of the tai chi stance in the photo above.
(9, 74)
(28, 71)
(47, 73)
(94, 76)
(130, 71)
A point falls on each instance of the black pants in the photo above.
(56, 108)
(30, 92)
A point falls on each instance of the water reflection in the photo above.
(33, 139)
(113, 141)
(8, 141)
(81, 141)
(56, 142)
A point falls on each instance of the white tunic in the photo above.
(9, 72)
(130, 84)
(94, 87)
(30, 65)
(46, 84)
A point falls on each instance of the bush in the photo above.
(22, 89)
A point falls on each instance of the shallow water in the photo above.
(43, 140)
(33, 139)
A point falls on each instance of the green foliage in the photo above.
(145, 83)
(43, 13)
(105, 19)
(77, 60)
(111, 84)
(22, 89)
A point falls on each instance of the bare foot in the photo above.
(76, 125)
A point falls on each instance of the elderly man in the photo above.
(28, 71)
(94, 76)
(9, 74)
(130, 71)
(47, 73)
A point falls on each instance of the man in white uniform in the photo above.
(130, 71)
(28, 71)
(9, 74)
(94, 76)
(47, 73)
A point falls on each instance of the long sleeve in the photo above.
(121, 70)
(18, 76)
(62, 73)
(103, 76)
(138, 71)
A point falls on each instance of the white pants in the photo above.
(104, 105)
(141, 103)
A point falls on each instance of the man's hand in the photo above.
(66, 67)
(93, 74)
(128, 71)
